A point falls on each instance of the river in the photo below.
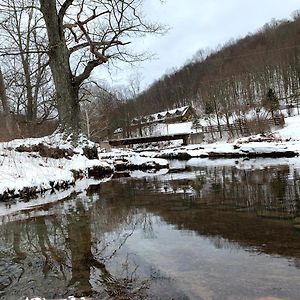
(198, 231)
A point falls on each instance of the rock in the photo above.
(127, 166)
(99, 172)
(46, 151)
(90, 152)
(55, 153)
(77, 174)
(247, 154)
(176, 155)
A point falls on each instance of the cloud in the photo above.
(199, 24)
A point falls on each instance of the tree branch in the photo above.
(91, 65)
(64, 9)
(97, 44)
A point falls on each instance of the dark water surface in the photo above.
(199, 233)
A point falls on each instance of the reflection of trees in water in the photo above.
(198, 184)
(268, 192)
(147, 225)
(69, 254)
(227, 205)
(86, 257)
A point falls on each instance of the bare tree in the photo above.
(90, 33)
(5, 105)
(99, 111)
(25, 61)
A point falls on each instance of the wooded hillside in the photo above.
(236, 77)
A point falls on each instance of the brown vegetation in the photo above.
(20, 128)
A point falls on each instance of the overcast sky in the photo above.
(194, 25)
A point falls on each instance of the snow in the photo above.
(244, 164)
(56, 139)
(20, 170)
(118, 130)
(227, 149)
(157, 116)
(129, 158)
(291, 129)
(139, 160)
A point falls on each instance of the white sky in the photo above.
(194, 25)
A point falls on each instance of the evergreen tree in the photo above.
(271, 102)
(196, 124)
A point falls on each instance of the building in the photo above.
(145, 125)
(181, 114)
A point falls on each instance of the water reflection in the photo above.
(202, 233)
(54, 255)
(257, 208)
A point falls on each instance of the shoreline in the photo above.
(33, 166)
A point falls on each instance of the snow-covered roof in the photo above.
(180, 111)
(118, 130)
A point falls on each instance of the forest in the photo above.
(244, 74)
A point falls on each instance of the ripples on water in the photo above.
(199, 233)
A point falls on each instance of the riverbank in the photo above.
(37, 165)
(239, 149)
(34, 166)
(284, 142)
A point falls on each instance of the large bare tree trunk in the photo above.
(3, 95)
(66, 91)
(5, 105)
(117, 20)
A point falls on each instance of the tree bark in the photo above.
(3, 95)
(5, 105)
(66, 90)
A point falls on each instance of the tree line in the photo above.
(254, 72)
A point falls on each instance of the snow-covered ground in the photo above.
(251, 149)
(32, 172)
(282, 142)
(128, 159)
(291, 130)
(19, 170)
(24, 170)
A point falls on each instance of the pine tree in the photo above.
(271, 102)
(196, 124)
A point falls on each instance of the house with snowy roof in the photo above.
(150, 124)
(181, 114)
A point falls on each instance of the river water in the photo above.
(196, 232)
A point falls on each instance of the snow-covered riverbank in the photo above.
(30, 166)
(284, 142)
